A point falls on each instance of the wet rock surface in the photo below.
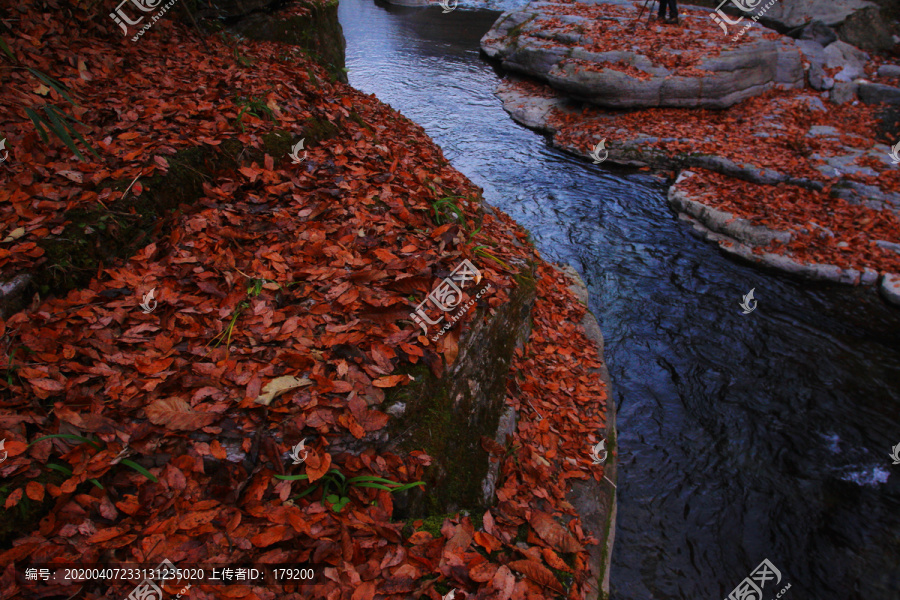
(561, 49)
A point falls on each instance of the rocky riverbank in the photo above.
(783, 144)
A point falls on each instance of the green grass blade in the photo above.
(53, 84)
(372, 478)
(79, 136)
(377, 486)
(6, 49)
(306, 492)
(60, 468)
(292, 477)
(399, 488)
(60, 130)
(408, 486)
(140, 469)
(66, 436)
(96, 483)
(38, 124)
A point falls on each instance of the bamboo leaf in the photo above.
(140, 469)
(306, 492)
(6, 49)
(60, 468)
(38, 124)
(72, 129)
(53, 84)
(377, 486)
(65, 436)
(60, 130)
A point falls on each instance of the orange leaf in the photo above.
(390, 381)
(106, 534)
(554, 560)
(365, 591)
(553, 533)
(34, 490)
(271, 535)
(217, 450)
(538, 573)
(487, 541)
(14, 448)
(451, 348)
(194, 519)
(175, 413)
(317, 466)
(504, 582)
(49, 385)
(13, 498)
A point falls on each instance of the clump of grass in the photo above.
(256, 106)
(336, 482)
(95, 444)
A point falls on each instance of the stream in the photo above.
(741, 437)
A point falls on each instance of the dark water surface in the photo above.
(742, 437)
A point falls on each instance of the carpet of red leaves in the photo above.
(624, 28)
(806, 214)
(340, 241)
(769, 131)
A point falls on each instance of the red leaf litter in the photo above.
(770, 131)
(279, 272)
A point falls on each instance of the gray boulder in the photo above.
(889, 71)
(524, 43)
(814, 53)
(869, 28)
(876, 93)
(790, 14)
(890, 288)
(843, 92)
(851, 61)
(818, 31)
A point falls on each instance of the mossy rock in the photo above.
(447, 416)
(100, 235)
(318, 33)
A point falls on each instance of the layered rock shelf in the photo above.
(776, 146)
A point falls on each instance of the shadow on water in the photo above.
(742, 437)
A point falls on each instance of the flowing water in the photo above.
(741, 437)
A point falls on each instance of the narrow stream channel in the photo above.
(741, 437)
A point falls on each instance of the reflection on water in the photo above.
(742, 437)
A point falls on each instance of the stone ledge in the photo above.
(595, 502)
